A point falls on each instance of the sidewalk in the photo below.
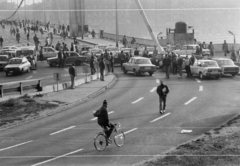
(68, 98)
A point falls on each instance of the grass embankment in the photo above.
(22, 108)
(219, 147)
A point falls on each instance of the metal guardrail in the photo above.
(4, 87)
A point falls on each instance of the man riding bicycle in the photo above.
(103, 120)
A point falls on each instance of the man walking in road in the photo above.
(122, 59)
(162, 91)
(60, 58)
(180, 63)
(72, 72)
(111, 61)
(225, 48)
(211, 49)
(106, 58)
(102, 67)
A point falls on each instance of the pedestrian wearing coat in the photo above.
(18, 37)
(180, 63)
(166, 64)
(72, 72)
(102, 67)
(111, 60)
(211, 49)
(225, 48)
(92, 65)
(1, 41)
(162, 91)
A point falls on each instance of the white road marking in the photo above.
(157, 81)
(96, 117)
(153, 89)
(129, 131)
(160, 117)
(200, 88)
(190, 100)
(198, 80)
(62, 130)
(137, 100)
(29, 77)
(57, 157)
(10, 147)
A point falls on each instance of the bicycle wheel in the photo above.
(100, 142)
(119, 138)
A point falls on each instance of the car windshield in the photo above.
(3, 58)
(15, 61)
(210, 64)
(143, 61)
(225, 62)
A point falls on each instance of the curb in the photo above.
(62, 108)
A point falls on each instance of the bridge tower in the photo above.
(76, 17)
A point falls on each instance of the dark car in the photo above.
(227, 65)
(72, 57)
(3, 61)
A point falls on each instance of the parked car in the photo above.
(17, 65)
(30, 54)
(206, 68)
(9, 48)
(227, 65)
(101, 46)
(114, 50)
(139, 65)
(3, 61)
(84, 49)
(96, 52)
(48, 52)
(191, 49)
(72, 57)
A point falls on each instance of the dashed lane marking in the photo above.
(10, 147)
(29, 77)
(200, 88)
(194, 98)
(157, 81)
(46, 161)
(108, 114)
(160, 117)
(62, 130)
(129, 131)
(198, 80)
(153, 89)
(138, 100)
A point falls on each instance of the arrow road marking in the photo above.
(137, 100)
(10, 147)
(190, 100)
(57, 157)
(153, 89)
(160, 117)
(62, 130)
(129, 131)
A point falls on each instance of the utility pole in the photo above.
(82, 19)
(33, 11)
(25, 9)
(117, 35)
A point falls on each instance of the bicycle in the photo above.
(117, 135)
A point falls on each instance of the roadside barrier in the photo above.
(5, 87)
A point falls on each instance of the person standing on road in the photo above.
(106, 58)
(72, 72)
(124, 41)
(102, 67)
(136, 52)
(211, 48)
(180, 63)
(187, 66)
(162, 91)
(166, 64)
(92, 65)
(60, 58)
(155, 52)
(93, 34)
(41, 54)
(122, 59)
(18, 37)
(111, 60)
(1, 41)
(225, 48)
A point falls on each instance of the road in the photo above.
(67, 137)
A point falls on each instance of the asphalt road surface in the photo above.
(67, 137)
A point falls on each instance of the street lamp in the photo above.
(117, 36)
(233, 36)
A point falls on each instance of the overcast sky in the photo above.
(28, 2)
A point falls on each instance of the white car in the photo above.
(206, 68)
(17, 65)
(191, 49)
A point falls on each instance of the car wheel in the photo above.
(233, 75)
(6, 73)
(135, 72)
(201, 76)
(78, 63)
(124, 70)
(54, 64)
(150, 73)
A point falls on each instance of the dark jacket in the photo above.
(72, 71)
(166, 61)
(179, 61)
(101, 64)
(162, 90)
(61, 57)
(102, 115)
